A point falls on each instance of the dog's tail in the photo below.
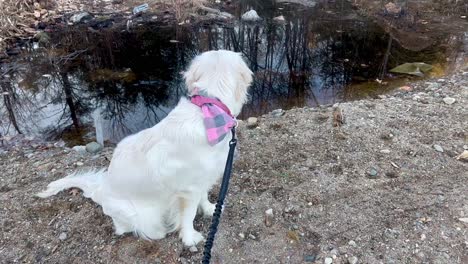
(88, 182)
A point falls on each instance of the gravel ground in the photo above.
(383, 187)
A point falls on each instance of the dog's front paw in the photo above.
(208, 209)
(191, 238)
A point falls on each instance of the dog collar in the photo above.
(217, 117)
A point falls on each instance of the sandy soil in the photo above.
(373, 190)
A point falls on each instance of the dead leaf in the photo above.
(338, 118)
(406, 88)
(293, 236)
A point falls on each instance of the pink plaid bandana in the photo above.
(217, 118)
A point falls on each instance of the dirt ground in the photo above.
(374, 190)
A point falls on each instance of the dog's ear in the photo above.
(244, 81)
(192, 74)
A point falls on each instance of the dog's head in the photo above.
(222, 74)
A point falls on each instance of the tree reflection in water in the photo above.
(133, 78)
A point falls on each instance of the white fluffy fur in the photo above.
(159, 177)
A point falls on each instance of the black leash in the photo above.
(219, 205)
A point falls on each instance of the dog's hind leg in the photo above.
(188, 204)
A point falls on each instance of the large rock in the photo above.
(93, 147)
(252, 122)
(79, 17)
(80, 149)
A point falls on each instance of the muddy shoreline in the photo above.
(383, 187)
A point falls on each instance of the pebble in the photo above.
(93, 147)
(252, 122)
(372, 172)
(464, 219)
(438, 148)
(352, 260)
(269, 217)
(310, 258)
(277, 112)
(449, 100)
(385, 151)
(193, 249)
(252, 237)
(423, 237)
(352, 243)
(242, 235)
(328, 261)
(79, 163)
(63, 236)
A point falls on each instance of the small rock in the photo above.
(242, 235)
(193, 249)
(423, 237)
(269, 217)
(279, 19)
(251, 236)
(352, 260)
(277, 112)
(464, 219)
(438, 148)
(251, 16)
(252, 122)
(391, 174)
(63, 236)
(141, 8)
(392, 8)
(328, 261)
(334, 252)
(449, 100)
(310, 258)
(79, 163)
(372, 172)
(59, 144)
(352, 243)
(93, 147)
(463, 156)
(385, 151)
(77, 18)
(79, 149)
(420, 255)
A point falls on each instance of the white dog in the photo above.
(159, 177)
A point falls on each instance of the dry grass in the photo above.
(15, 15)
(183, 8)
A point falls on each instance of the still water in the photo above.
(129, 78)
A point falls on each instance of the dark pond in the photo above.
(129, 78)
